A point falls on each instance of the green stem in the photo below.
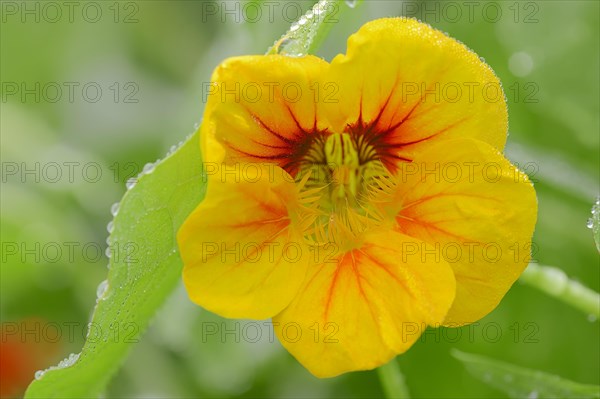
(555, 282)
(392, 381)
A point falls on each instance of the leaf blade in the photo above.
(145, 268)
(520, 382)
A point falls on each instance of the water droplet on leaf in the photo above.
(110, 227)
(131, 183)
(148, 168)
(290, 47)
(114, 209)
(351, 3)
(69, 361)
(102, 288)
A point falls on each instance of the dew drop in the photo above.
(107, 252)
(285, 44)
(196, 126)
(302, 21)
(290, 48)
(68, 362)
(102, 288)
(351, 3)
(590, 223)
(309, 15)
(294, 27)
(131, 183)
(110, 227)
(114, 209)
(148, 168)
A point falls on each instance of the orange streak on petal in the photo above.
(332, 287)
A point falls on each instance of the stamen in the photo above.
(345, 187)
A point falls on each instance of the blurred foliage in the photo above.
(519, 382)
(546, 53)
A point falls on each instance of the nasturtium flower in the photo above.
(359, 201)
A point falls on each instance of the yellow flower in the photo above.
(357, 202)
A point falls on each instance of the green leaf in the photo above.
(144, 268)
(306, 34)
(519, 382)
(554, 282)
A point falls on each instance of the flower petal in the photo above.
(360, 309)
(404, 84)
(263, 109)
(241, 255)
(480, 212)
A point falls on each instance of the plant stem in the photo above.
(555, 282)
(392, 381)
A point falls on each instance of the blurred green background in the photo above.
(150, 59)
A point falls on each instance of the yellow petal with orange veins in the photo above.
(358, 310)
(405, 85)
(263, 109)
(242, 257)
(479, 211)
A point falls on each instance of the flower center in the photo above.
(345, 170)
(349, 179)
